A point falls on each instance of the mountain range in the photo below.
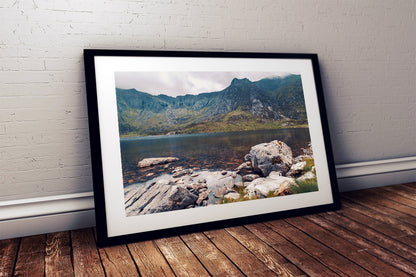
(243, 105)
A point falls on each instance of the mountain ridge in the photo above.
(242, 105)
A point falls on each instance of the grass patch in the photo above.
(308, 185)
(270, 194)
(310, 163)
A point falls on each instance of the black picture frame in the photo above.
(112, 223)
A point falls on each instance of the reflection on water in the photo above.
(214, 151)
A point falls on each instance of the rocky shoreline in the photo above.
(268, 170)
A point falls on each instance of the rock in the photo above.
(159, 196)
(179, 199)
(268, 157)
(183, 172)
(275, 175)
(176, 169)
(296, 169)
(246, 184)
(229, 184)
(301, 158)
(204, 195)
(308, 151)
(232, 195)
(220, 192)
(250, 177)
(156, 161)
(284, 188)
(263, 186)
(224, 172)
(245, 165)
(180, 181)
(199, 186)
(306, 176)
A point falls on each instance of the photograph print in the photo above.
(194, 139)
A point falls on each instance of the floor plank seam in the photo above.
(16, 255)
(369, 251)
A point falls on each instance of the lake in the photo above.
(213, 151)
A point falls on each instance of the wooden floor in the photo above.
(373, 234)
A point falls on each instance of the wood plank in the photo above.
(270, 257)
(181, 259)
(375, 205)
(389, 243)
(31, 257)
(8, 254)
(368, 195)
(380, 216)
(324, 254)
(380, 226)
(149, 259)
(291, 252)
(407, 187)
(58, 255)
(396, 195)
(402, 190)
(85, 254)
(238, 254)
(117, 261)
(364, 245)
(346, 248)
(212, 259)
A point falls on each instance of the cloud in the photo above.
(181, 83)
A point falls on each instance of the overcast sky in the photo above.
(181, 83)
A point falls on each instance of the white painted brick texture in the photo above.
(366, 50)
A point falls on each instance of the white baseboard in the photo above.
(33, 216)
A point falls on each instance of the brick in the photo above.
(366, 51)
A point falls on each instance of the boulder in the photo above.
(219, 192)
(156, 161)
(183, 172)
(158, 196)
(250, 177)
(203, 196)
(268, 157)
(263, 186)
(296, 169)
(284, 188)
(199, 186)
(245, 165)
(306, 176)
(232, 196)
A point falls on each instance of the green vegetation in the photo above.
(270, 103)
(307, 185)
(245, 125)
(310, 163)
(270, 194)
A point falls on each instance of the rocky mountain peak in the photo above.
(237, 81)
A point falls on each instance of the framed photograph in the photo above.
(190, 141)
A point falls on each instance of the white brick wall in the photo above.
(366, 50)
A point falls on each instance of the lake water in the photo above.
(213, 151)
